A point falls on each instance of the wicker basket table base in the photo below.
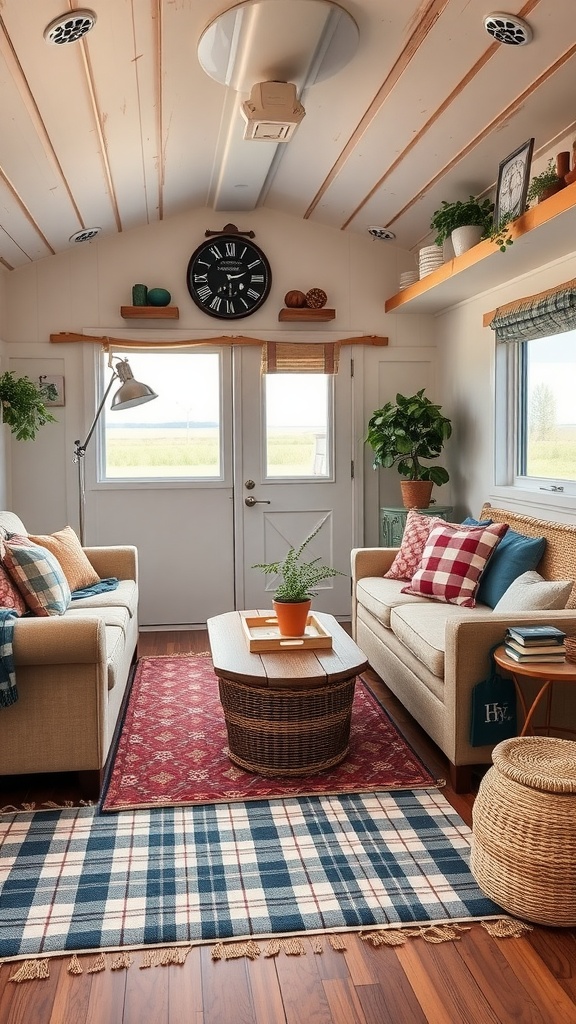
(287, 732)
(287, 712)
(524, 829)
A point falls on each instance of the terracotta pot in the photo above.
(551, 191)
(416, 493)
(292, 616)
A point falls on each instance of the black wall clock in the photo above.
(228, 277)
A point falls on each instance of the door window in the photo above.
(297, 416)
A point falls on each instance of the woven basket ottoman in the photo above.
(524, 829)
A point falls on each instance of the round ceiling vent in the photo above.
(86, 235)
(382, 233)
(507, 28)
(69, 28)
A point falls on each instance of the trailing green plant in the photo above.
(540, 182)
(460, 214)
(500, 234)
(404, 432)
(298, 577)
(23, 405)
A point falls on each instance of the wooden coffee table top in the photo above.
(282, 669)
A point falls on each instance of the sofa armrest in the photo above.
(371, 561)
(57, 640)
(468, 644)
(118, 560)
(368, 562)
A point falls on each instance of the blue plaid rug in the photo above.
(75, 880)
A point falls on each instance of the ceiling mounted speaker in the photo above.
(86, 235)
(273, 112)
(508, 28)
(69, 28)
(384, 234)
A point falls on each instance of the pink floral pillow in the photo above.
(10, 596)
(416, 533)
(453, 561)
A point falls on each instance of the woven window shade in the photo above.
(537, 316)
(282, 357)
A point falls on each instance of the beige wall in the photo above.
(466, 358)
(85, 287)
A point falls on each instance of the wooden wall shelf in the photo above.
(149, 312)
(318, 316)
(544, 233)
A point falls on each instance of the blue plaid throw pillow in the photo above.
(39, 577)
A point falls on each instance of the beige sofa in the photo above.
(71, 673)
(432, 654)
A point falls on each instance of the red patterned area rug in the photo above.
(173, 747)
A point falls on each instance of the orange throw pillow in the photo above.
(66, 547)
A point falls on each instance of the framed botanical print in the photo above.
(513, 178)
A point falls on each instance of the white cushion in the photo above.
(531, 592)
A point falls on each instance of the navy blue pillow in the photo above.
(470, 521)
(514, 555)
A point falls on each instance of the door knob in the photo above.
(250, 501)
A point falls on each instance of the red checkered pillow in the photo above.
(453, 561)
(416, 533)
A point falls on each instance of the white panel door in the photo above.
(275, 510)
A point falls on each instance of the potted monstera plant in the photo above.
(402, 434)
(298, 579)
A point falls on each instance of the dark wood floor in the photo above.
(475, 980)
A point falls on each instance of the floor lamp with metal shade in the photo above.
(130, 393)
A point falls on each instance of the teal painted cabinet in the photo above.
(393, 521)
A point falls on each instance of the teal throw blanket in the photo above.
(8, 691)
(97, 588)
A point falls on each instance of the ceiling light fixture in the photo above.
(384, 234)
(70, 27)
(86, 235)
(508, 28)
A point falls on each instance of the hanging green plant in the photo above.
(23, 405)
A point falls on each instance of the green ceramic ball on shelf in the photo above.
(158, 297)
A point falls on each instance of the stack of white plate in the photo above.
(407, 278)
(429, 259)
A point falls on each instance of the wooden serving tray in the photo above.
(262, 634)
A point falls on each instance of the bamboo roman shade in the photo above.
(283, 357)
(537, 316)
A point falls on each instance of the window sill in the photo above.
(528, 502)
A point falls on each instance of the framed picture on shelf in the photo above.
(513, 179)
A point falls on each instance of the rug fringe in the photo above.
(251, 949)
(507, 928)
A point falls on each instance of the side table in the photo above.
(393, 522)
(544, 673)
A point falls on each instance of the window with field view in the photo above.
(297, 413)
(178, 434)
(547, 409)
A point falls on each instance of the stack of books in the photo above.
(535, 643)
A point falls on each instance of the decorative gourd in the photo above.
(295, 299)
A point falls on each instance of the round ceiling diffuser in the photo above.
(383, 233)
(507, 28)
(86, 235)
(69, 28)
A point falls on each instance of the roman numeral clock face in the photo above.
(228, 277)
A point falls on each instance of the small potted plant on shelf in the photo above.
(23, 405)
(545, 184)
(402, 433)
(293, 595)
(452, 218)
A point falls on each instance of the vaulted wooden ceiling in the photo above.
(124, 127)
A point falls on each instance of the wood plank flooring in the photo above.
(477, 980)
